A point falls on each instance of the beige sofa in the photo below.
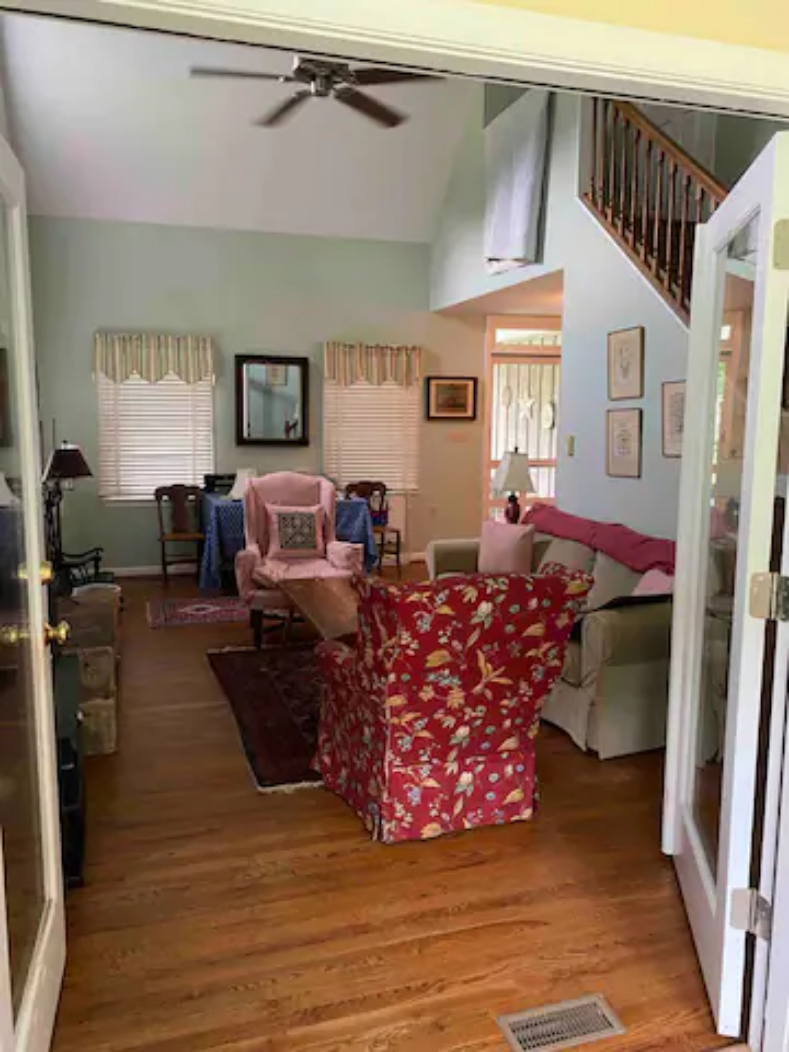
(613, 694)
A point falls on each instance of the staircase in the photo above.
(650, 195)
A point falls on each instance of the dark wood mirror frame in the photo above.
(303, 365)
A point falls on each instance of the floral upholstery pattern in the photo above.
(428, 724)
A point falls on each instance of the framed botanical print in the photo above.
(623, 443)
(673, 412)
(626, 364)
(451, 397)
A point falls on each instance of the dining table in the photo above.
(223, 526)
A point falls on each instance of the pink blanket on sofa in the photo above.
(636, 550)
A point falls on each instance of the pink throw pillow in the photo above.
(505, 548)
(295, 532)
(654, 582)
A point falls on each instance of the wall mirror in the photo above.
(272, 400)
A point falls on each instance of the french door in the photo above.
(32, 936)
(729, 662)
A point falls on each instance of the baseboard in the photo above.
(181, 570)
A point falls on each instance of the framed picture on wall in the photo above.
(626, 364)
(451, 397)
(277, 375)
(623, 443)
(673, 411)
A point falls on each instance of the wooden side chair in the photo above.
(178, 509)
(388, 538)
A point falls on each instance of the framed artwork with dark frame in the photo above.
(451, 397)
(623, 443)
(626, 364)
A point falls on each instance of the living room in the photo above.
(186, 862)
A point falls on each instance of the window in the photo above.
(153, 434)
(371, 431)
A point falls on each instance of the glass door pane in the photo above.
(724, 490)
(20, 804)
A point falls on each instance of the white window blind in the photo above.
(371, 431)
(153, 434)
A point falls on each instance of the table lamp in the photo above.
(65, 464)
(513, 477)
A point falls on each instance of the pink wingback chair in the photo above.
(257, 574)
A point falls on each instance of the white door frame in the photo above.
(458, 36)
(36, 1015)
(497, 43)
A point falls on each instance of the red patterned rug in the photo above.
(275, 695)
(173, 613)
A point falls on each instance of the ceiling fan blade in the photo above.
(237, 74)
(284, 110)
(373, 75)
(369, 107)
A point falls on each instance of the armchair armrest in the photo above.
(343, 555)
(247, 561)
(452, 556)
(629, 636)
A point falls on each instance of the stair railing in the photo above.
(650, 194)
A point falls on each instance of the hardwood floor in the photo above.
(217, 918)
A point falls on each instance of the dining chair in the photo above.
(178, 509)
(388, 539)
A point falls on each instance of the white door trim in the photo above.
(458, 36)
(36, 1016)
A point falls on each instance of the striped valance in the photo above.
(120, 356)
(348, 363)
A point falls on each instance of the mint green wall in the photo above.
(252, 293)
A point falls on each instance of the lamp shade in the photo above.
(67, 462)
(513, 475)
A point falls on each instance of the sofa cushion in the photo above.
(571, 554)
(571, 673)
(505, 548)
(611, 580)
(295, 532)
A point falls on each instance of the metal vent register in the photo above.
(565, 1025)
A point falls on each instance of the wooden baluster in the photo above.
(623, 178)
(647, 190)
(683, 262)
(672, 189)
(635, 158)
(612, 165)
(659, 160)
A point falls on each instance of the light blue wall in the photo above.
(603, 292)
(252, 293)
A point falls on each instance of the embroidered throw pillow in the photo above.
(295, 533)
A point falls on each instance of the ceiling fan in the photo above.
(324, 79)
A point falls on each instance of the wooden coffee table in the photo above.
(328, 603)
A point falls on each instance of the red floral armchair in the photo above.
(428, 725)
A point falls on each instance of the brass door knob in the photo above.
(45, 573)
(57, 633)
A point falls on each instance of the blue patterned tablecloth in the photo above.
(223, 525)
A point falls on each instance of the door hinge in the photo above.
(752, 913)
(769, 597)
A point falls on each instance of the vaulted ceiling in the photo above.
(109, 125)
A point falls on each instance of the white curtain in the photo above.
(516, 146)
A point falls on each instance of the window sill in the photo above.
(129, 502)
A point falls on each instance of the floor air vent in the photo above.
(565, 1025)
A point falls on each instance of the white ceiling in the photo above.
(110, 126)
